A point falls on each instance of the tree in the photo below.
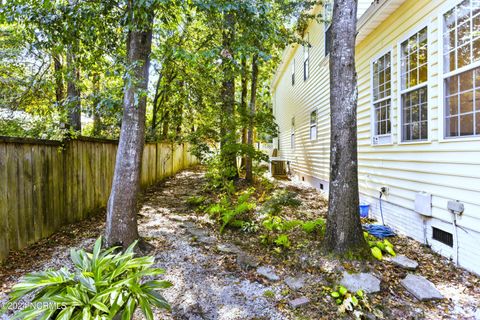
(122, 226)
(344, 234)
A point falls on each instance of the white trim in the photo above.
(372, 101)
(449, 5)
(429, 83)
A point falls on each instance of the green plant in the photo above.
(196, 201)
(311, 225)
(280, 199)
(377, 246)
(229, 213)
(283, 241)
(102, 285)
(269, 294)
(351, 302)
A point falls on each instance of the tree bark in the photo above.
(153, 126)
(73, 93)
(243, 105)
(122, 205)
(251, 115)
(97, 119)
(344, 234)
(59, 88)
(227, 130)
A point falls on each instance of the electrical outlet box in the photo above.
(455, 207)
(384, 190)
(423, 204)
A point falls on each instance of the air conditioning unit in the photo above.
(278, 168)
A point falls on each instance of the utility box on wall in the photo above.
(423, 204)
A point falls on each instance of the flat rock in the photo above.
(296, 303)
(296, 283)
(177, 218)
(403, 262)
(268, 273)
(360, 281)
(229, 248)
(206, 240)
(421, 288)
(196, 232)
(245, 261)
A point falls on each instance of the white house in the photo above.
(418, 65)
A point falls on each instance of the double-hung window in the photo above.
(328, 13)
(313, 125)
(306, 59)
(414, 88)
(293, 72)
(292, 134)
(382, 98)
(461, 70)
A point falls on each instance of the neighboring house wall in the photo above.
(448, 169)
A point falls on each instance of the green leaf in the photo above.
(377, 253)
(390, 251)
(342, 290)
(360, 293)
(335, 294)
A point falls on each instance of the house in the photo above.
(418, 65)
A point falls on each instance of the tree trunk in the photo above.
(243, 106)
(73, 93)
(165, 125)
(122, 205)
(59, 89)
(153, 126)
(227, 130)
(251, 115)
(97, 119)
(344, 234)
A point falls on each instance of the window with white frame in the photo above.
(306, 59)
(293, 72)
(461, 56)
(413, 87)
(292, 134)
(313, 125)
(382, 95)
(328, 14)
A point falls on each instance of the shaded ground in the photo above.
(213, 284)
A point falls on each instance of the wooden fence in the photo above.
(46, 184)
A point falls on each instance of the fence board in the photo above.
(4, 233)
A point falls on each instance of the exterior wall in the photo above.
(447, 169)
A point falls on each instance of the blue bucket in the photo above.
(364, 208)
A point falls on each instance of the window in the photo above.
(328, 14)
(382, 96)
(306, 59)
(461, 56)
(313, 125)
(293, 72)
(414, 91)
(292, 134)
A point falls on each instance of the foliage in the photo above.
(231, 212)
(283, 241)
(353, 303)
(312, 225)
(279, 199)
(102, 285)
(378, 246)
(196, 201)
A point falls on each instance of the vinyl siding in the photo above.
(448, 170)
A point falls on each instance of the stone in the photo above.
(296, 303)
(268, 273)
(196, 232)
(228, 248)
(177, 218)
(245, 261)
(403, 262)
(296, 283)
(360, 281)
(421, 288)
(206, 240)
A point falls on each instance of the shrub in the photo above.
(311, 225)
(102, 285)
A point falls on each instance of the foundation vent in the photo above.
(442, 236)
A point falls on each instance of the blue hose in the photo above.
(379, 230)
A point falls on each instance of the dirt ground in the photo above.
(210, 283)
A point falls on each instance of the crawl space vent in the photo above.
(443, 236)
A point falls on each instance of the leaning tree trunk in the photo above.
(59, 89)
(251, 115)
(122, 205)
(344, 234)
(227, 129)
